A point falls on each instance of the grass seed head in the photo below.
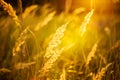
(7, 7)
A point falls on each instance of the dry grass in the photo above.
(20, 41)
(55, 42)
(100, 74)
(28, 10)
(85, 22)
(47, 19)
(92, 53)
(53, 51)
(7, 7)
(63, 75)
(44, 51)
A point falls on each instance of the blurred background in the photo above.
(59, 5)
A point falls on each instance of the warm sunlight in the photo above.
(59, 39)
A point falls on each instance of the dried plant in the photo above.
(55, 42)
(92, 53)
(85, 22)
(63, 75)
(22, 65)
(47, 19)
(52, 51)
(28, 10)
(100, 74)
(7, 7)
(50, 62)
(20, 41)
(32, 55)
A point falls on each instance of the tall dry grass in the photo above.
(50, 61)
(101, 73)
(87, 19)
(91, 54)
(7, 7)
(53, 51)
(55, 42)
(20, 42)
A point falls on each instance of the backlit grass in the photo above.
(41, 44)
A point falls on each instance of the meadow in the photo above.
(38, 43)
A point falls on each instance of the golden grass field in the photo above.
(41, 44)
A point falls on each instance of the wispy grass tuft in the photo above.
(53, 51)
(100, 74)
(56, 41)
(91, 54)
(85, 22)
(45, 21)
(20, 41)
(28, 10)
(7, 7)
